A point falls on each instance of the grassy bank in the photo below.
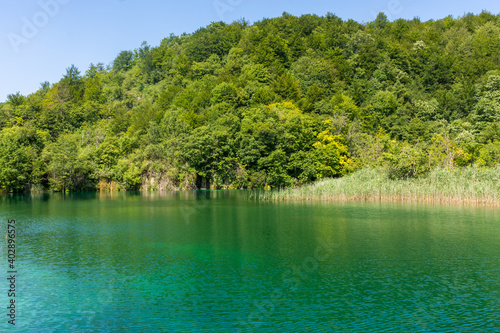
(480, 186)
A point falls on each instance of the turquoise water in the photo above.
(221, 262)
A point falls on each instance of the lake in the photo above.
(221, 261)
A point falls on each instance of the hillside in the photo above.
(278, 103)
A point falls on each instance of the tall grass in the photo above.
(472, 185)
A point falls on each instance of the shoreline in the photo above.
(462, 186)
(447, 201)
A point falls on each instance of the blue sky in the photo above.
(39, 39)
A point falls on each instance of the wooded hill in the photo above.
(277, 103)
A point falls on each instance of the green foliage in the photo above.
(332, 156)
(224, 92)
(123, 62)
(287, 87)
(487, 109)
(474, 185)
(20, 167)
(277, 103)
(67, 170)
(217, 38)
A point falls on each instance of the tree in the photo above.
(332, 156)
(73, 82)
(123, 62)
(66, 166)
(19, 158)
(487, 109)
(245, 105)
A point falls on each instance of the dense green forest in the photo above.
(277, 103)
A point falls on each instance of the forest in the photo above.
(274, 104)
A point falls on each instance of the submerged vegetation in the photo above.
(470, 185)
(278, 103)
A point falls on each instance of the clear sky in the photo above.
(39, 39)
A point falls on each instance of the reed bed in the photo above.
(471, 185)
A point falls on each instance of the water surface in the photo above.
(221, 262)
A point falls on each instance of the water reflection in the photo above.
(212, 261)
